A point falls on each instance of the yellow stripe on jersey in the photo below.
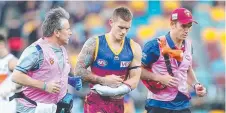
(97, 47)
(116, 52)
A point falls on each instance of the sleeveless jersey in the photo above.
(107, 61)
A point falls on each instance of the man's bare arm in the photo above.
(85, 59)
(130, 83)
(134, 74)
(200, 90)
(191, 77)
(148, 75)
(167, 80)
(25, 80)
(12, 63)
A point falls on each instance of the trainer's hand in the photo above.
(75, 82)
(114, 80)
(53, 87)
(200, 90)
(169, 80)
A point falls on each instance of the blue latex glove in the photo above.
(75, 82)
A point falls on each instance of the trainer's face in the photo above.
(120, 28)
(64, 33)
(182, 30)
(2, 45)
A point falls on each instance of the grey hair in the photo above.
(53, 21)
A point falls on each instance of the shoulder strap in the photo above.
(162, 40)
(21, 95)
(168, 64)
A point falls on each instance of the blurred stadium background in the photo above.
(20, 22)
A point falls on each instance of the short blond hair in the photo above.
(122, 12)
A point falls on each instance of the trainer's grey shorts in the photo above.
(23, 109)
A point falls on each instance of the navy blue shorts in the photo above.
(162, 110)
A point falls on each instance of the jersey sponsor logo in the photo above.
(187, 57)
(102, 62)
(144, 56)
(124, 63)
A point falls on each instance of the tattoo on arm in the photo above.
(85, 59)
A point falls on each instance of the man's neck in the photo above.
(113, 40)
(52, 41)
(177, 42)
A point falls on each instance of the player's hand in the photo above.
(110, 80)
(169, 80)
(53, 87)
(200, 90)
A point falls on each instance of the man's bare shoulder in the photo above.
(136, 47)
(89, 46)
(91, 42)
(85, 57)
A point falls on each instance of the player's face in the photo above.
(64, 33)
(2, 44)
(182, 30)
(120, 28)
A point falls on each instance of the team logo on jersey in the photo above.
(187, 57)
(102, 62)
(51, 61)
(124, 63)
(116, 58)
(188, 14)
